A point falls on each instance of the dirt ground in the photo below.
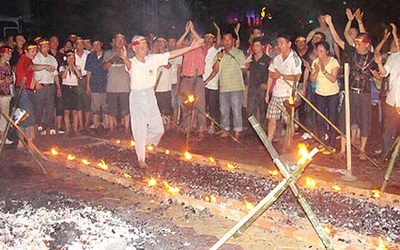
(20, 179)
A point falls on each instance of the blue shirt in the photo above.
(98, 77)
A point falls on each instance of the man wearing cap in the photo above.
(117, 83)
(361, 61)
(26, 68)
(147, 127)
(48, 85)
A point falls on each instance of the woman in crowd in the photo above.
(325, 70)
(70, 74)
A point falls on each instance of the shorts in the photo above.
(273, 112)
(99, 103)
(118, 100)
(164, 102)
(70, 97)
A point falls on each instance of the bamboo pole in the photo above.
(294, 188)
(13, 109)
(349, 174)
(332, 125)
(312, 134)
(265, 203)
(391, 164)
(158, 80)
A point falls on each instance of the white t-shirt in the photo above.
(44, 76)
(144, 75)
(165, 83)
(81, 61)
(392, 68)
(209, 62)
(173, 71)
(290, 66)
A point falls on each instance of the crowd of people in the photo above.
(140, 86)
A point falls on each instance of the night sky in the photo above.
(102, 19)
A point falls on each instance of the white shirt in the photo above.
(392, 68)
(165, 83)
(290, 66)
(210, 60)
(44, 76)
(144, 75)
(173, 71)
(81, 61)
(71, 79)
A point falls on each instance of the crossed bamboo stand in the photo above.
(288, 181)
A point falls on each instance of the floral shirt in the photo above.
(4, 72)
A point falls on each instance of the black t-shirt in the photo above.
(258, 71)
(360, 68)
(15, 55)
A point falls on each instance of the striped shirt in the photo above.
(231, 76)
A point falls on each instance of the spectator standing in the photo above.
(6, 80)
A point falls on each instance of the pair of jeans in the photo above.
(328, 106)
(231, 100)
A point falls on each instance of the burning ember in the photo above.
(231, 166)
(167, 152)
(118, 141)
(376, 193)
(133, 143)
(188, 156)
(86, 162)
(70, 157)
(211, 159)
(150, 147)
(336, 188)
(249, 206)
(170, 189)
(310, 182)
(102, 165)
(151, 182)
(210, 198)
(273, 172)
(381, 245)
(54, 151)
(303, 153)
(327, 230)
(128, 176)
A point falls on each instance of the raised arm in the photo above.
(180, 40)
(335, 35)
(359, 16)
(217, 43)
(193, 31)
(382, 42)
(395, 37)
(350, 18)
(194, 45)
(237, 29)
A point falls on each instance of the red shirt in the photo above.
(193, 60)
(21, 71)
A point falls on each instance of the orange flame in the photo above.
(381, 245)
(211, 159)
(70, 157)
(133, 143)
(273, 172)
(291, 100)
(249, 206)
(210, 198)
(336, 188)
(303, 153)
(128, 176)
(86, 162)
(54, 151)
(151, 182)
(150, 147)
(231, 166)
(310, 182)
(376, 193)
(102, 165)
(188, 156)
(118, 141)
(167, 152)
(170, 189)
(327, 230)
(190, 99)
